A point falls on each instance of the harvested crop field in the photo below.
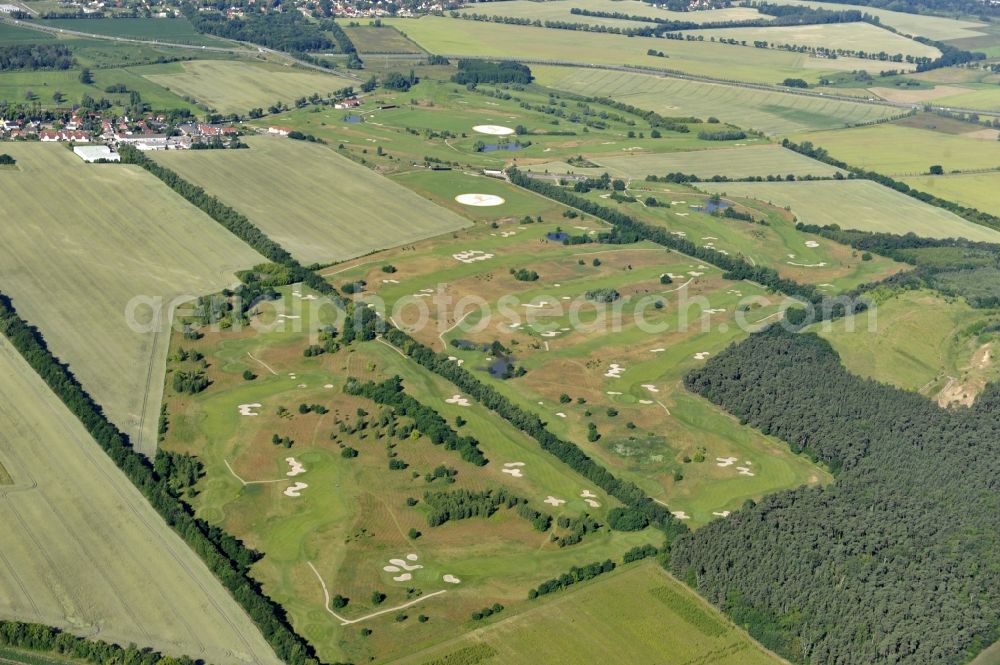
(115, 233)
(769, 112)
(81, 548)
(858, 204)
(236, 87)
(316, 204)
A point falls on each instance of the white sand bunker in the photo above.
(494, 130)
(296, 465)
(561, 414)
(613, 392)
(659, 350)
(458, 399)
(701, 355)
(514, 473)
(470, 256)
(723, 513)
(650, 387)
(295, 490)
(481, 200)
(328, 385)
(681, 515)
(725, 461)
(390, 281)
(552, 501)
(514, 469)
(695, 273)
(744, 471)
(247, 409)
(614, 371)
(451, 579)
(592, 503)
(456, 360)
(645, 401)
(529, 305)
(402, 565)
(812, 243)
(405, 577)
(587, 494)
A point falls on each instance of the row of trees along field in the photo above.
(899, 560)
(426, 420)
(47, 640)
(35, 56)
(227, 558)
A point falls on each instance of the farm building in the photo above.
(280, 131)
(93, 153)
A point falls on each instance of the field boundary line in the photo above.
(348, 622)
(262, 363)
(249, 482)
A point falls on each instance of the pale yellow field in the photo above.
(81, 549)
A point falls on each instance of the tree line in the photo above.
(36, 56)
(473, 72)
(48, 640)
(426, 420)
(898, 560)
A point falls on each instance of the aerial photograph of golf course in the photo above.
(512, 332)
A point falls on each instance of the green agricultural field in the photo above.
(920, 341)
(974, 190)
(769, 112)
(895, 150)
(447, 36)
(236, 87)
(741, 162)
(384, 39)
(42, 85)
(84, 551)
(320, 206)
(932, 27)
(12, 34)
(175, 30)
(631, 616)
(116, 234)
(983, 96)
(848, 36)
(858, 204)
(560, 11)
(350, 516)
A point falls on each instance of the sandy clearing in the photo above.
(247, 409)
(744, 471)
(480, 200)
(592, 503)
(812, 243)
(614, 371)
(493, 130)
(650, 387)
(295, 490)
(297, 467)
(514, 473)
(468, 256)
(405, 577)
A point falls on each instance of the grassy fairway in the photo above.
(858, 204)
(847, 36)
(353, 515)
(83, 550)
(115, 233)
(920, 342)
(636, 615)
(473, 38)
(770, 112)
(320, 206)
(896, 150)
(739, 162)
(236, 87)
(974, 190)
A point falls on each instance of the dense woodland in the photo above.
(899, 560)
(483, 71)
(35, 56)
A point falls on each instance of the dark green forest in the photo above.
(899, 560)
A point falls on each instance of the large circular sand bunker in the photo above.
(482, 200)
(495, 130)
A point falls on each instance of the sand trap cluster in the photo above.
(296, 465)
(744, 471)
(725, 461)
(248, 409)
(812, 243)
(493, 130)
(614, 371)
(681, 515)
(471, 256)
(701, 355)
(513, 469)
(458, 399)
(403, 567)
(552, 501)
(451, 579)
(481, 200)
(295, 490)
(456, 360)
(590, 499)
(650, 387)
